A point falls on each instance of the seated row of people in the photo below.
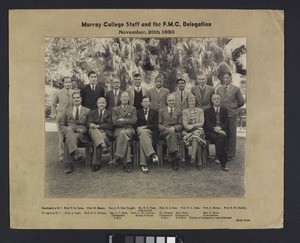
(124, 122)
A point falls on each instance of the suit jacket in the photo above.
(184, 104)
(89, 97)
(68, 120)
(110, 99)
(129, 116)
(105, 123)
(165, 121)
(232, 99)
(158, 100)
(203, 101)
(211, 120)
(151, 123)
(186, 117)
(131, 94)
(61, 102)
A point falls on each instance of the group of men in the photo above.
(148, 115)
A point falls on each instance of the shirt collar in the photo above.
(136, 88)
(169, 109)
(79, 107)
(217, 108)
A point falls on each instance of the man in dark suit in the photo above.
(232, 99)
(170, 126)
(147, 126)
(100, 127)
(73, 127)
(113, 96)
(217, 129)
(124, 118)
(203, 93)
(91, 92)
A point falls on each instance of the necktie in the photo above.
(171, 112)
(217, 117)
(138, 90)
(68, 93)
(116, 98)
(226, 88)
(181, 96)
(202, 90)
(146, 113)
(77, 114)
(94, 88)
(100, 116)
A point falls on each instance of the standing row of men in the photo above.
(124, 117)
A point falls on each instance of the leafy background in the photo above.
(122, 57)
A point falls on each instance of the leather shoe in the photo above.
(155, 159)
(112, 163)
(96, 168)
(175, 165)
(69, 170)
(77, 155)
(105, 149)
(192, 161)
(199, 167)
(126, 168)
(225, 168)
(145, 169)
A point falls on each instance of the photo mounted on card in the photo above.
(146, 119)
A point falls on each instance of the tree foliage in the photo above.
(122, 57)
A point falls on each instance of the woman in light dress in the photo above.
(194, 136)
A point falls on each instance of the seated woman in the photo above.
(194, 136)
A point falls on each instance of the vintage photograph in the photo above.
(145, 117)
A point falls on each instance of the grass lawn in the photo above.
(159, 182)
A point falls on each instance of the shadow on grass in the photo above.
(159, 182)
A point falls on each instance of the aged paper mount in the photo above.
(262, 204)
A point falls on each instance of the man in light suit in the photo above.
(170, 126)
(73, 127)
(136, 93)
(217, 129)
(124, 119)
(91, 92)
(99, 122)
(203, 93)
(113, 96)
(181, 95)
(158, 94)
(232, 99)
(61, 101)
(147, 127)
